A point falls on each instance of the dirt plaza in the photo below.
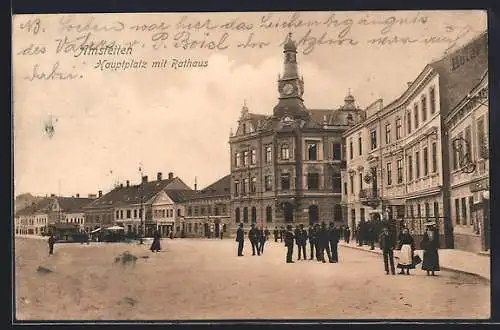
(200, 279)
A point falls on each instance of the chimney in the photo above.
(128, 183)
(195, 184)
(170, 175)
(77, 195)
(159, 176)
(145, 179)
(100, 193)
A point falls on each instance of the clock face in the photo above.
(288, 89)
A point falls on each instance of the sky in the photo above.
(108, 123)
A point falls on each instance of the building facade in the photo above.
(33, 219)
(286, 167)
(467, 128)
(207, 212)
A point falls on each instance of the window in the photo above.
(269, 154)
(468, 138)
(285, 181)
(196, 227)
(202, 211)
(190, 227)
(336, 152)
(245, 214)
(482, 147)
(415, 114)
(237, 214)
(178, 212)
(253, 186)
(268, 182)
(432, 100)
(135, 213)
(285, 152)
(426, 161)
(312, 151)
(387, 133)
(471, 205)
(237, 159)
(423, 102)
(245, 158)
(464, 211)
(244, 128)
(209, 210)
(389, 173)
(454, 154)
(246, 186)
(236, 187)
(254, 157)
(351, 149)
(417, 164)
(399, 164)
(362, 213)
(336, 183)
(349, 119)
(457, 211)
(117, 214)
(254, 214)
(269, 214)
(434, 157)
(345, 188)
(216, 211)
(373, 139)
(398, 129)
(460, 151)
(312, 181)
(353, 214)
(427, 211)
(360, 176)
(408, 121)
(121, 214)
(163, 213)
(360, 146)
(410, 168)
(436, 211)
(351, 178)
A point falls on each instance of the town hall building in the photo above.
(286, 166)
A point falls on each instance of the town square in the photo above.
(355, 191)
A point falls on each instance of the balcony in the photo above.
(370, 197)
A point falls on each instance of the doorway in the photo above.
(313, 214)
(288, 212)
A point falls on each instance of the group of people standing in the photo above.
(257, 237)
(405, 244)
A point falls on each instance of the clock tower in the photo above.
(290, 86)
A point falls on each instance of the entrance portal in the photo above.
(288, 212)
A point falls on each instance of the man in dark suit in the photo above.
(253, 236)
(240, 238)
(289, 238)
(324, 243)
(311, 233)
(276, 233)
(301, 240)
(334, 238)
(387, 245)
(52, 241)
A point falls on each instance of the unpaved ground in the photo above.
(203, 279)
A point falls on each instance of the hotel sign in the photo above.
(479, 186)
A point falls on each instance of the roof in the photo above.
(73, 204)
(461, 70)
(179, 196)
(42, 205)
(219, 188)
(131, 194)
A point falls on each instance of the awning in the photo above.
(95, 230)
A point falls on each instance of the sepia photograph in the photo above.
(251, 166)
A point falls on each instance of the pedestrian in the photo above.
(430, 245)
(317, 246)
(386, 244)
(361, 232)
(406, 249)
(155, 246)
(324, 243)
(240, 238)
(348, 234)
(334, 238)
(296, 231)
(371, 235)
(263, 239)
(267, 233)
(276, 234)
(51, 241)
(301, 239)
(311, 233)
(253, 236)
(221, 234)
(282, 234)
(289, 238)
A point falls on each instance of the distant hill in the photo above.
(25, 200)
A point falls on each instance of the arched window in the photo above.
(285, 152)
(237, 215)
(269, 214)
(245, 214)
(313, 214)
(349, 118)
(254, 214)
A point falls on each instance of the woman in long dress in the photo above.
(155, 246)
(407, 247)
(430, 245)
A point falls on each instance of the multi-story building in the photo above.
(168, 210)
(33, 219)
(467, 129)
(131, 206)
(407, 163)
(208, 210)
(69, 210)
(286, 167)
